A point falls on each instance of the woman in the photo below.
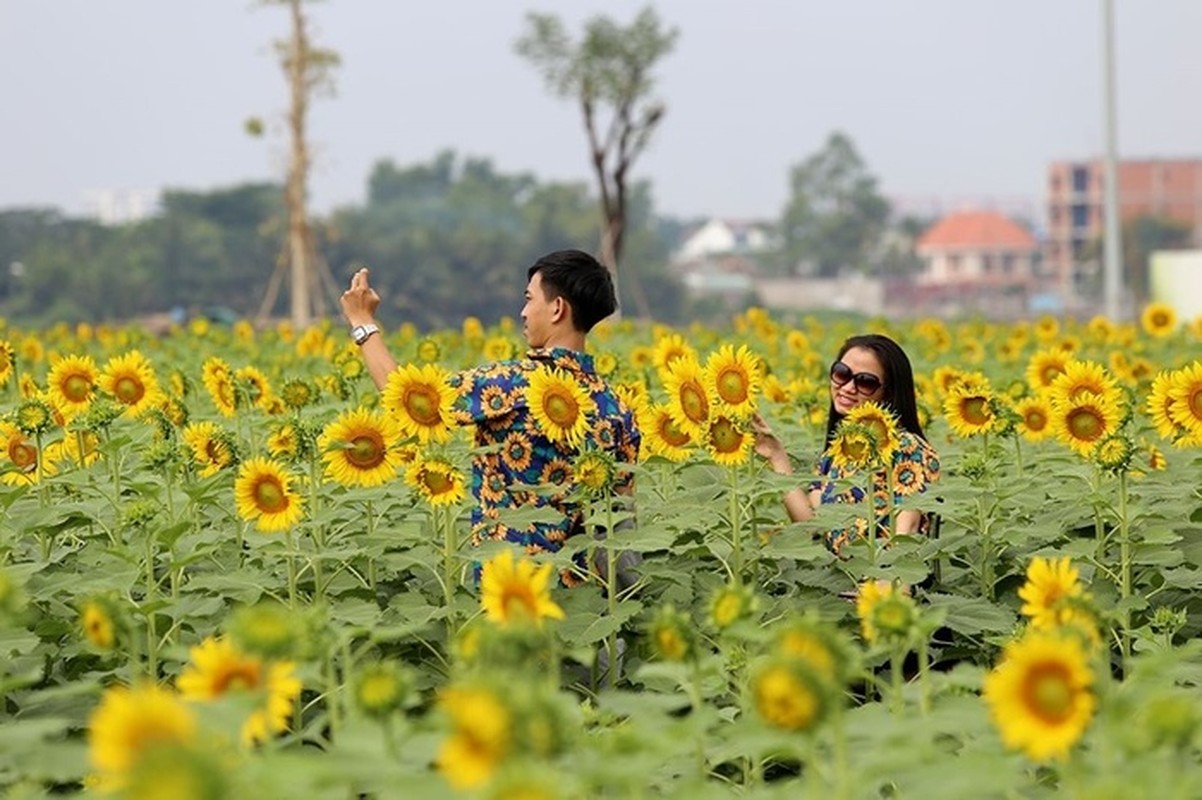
(869, 368)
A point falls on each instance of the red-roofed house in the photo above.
(977, 249)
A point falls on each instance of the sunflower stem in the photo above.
(924, 666)
(897, 683)
(1018, 454)
(290, 554)
(611, 592)
(1124, 573)
(736, 533)
(152, 639)
(371, 561)
(444, 520)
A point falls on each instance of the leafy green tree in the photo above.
(835, 215)
(608, 72)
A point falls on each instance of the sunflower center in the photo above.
(129, 390)
(213, 450)
(1036, 420)
(421, 403)
(1048, 693)
(725, 437)
(22, 454)
(365, 452)
(437, 482)
(1195, 403)
(561, 409)
(670, 643)
(269, 496)
(976, 410)
(692, 400)
(77, 388)
(237, 677)
(1049, 374)
(732, 386)
(519, 602)
(1085, 424)
(671, 433)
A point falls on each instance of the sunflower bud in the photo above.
(382, 688)
(672, 636)
(789, 694)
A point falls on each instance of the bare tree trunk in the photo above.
(300, 242)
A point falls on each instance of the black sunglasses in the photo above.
(866, 382)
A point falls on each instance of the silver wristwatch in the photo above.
(361, 333)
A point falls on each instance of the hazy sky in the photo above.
(947, 100)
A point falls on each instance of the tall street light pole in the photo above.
(1112, 245)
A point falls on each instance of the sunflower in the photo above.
(1046, 328)
(729, 604)
(1082, 423)
(481, 736)
(662, 435)
(1186, 395)
(817, 645)
(689, 400)
(789, 695)
(887, 613)
(20, 452)
(1158, 320)
(130, 380)
(437, 480)
(130, 723)
(421, 400)
(668, 349)
(6, 361)
(1051, 587)
(881, 422)
(284, 441)
(594, 472)
(381, 688)
(672, 636)
(212, 447)
(1040, 694)
(606, 364)
(1044, 367)
(733, 377)
(217, 668)
(71, 384)
(1035, 415)
(970, 411)
(219, 383)
(853, 447)
(98, 624)
(1079, 378)
(1159, 407)
(729, 443)
(498, 348)
(297, 393)
(263, 492)
(1114, 453)
(361, 448)
(253, 384)
(559, 405)
(517, 592)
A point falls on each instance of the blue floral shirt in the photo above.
(513, 455)
(915, 466)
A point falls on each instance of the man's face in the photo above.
(538, 313)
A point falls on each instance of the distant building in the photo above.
(1168, 188)
(120, 206)
(724, 237)
(976, 260)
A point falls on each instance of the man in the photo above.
(568, 292)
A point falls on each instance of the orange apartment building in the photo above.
(1170, 188)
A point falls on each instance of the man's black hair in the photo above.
(898, 396)
(581, 280)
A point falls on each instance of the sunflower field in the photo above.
(230, 567)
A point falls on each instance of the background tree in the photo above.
(608, 72)
(308, 70)
(1143, 236)
(835, 216)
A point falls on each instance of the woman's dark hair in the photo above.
(580, 279)
(899, 396)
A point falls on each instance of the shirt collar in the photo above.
(564, 358)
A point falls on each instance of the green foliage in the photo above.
(835, 215)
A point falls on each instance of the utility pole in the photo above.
(1112, 267)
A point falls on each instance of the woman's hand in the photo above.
(768, 447)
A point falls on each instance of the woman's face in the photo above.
(863, 363)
